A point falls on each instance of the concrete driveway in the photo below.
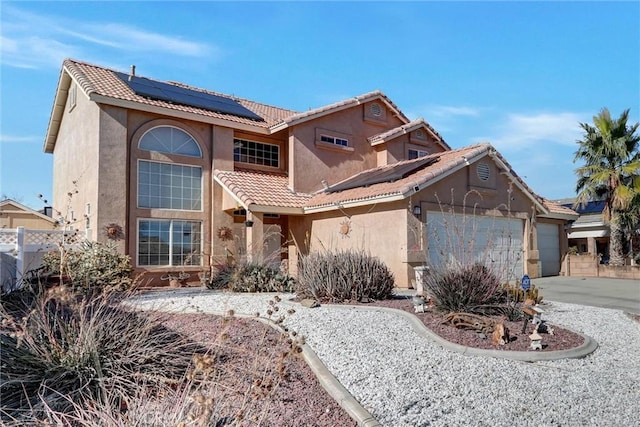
(618, 294)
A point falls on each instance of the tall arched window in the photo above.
(169, 185)
(170, 140)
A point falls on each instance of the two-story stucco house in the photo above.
(195, 177)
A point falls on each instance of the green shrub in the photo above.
(91, 265)
(344, 275)
(65, 348)
(471, 289)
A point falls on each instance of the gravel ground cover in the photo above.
(405, 380)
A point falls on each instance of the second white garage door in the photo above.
(495, 242)
(549, 247)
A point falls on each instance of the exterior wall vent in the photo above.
(376, 110)
(483, 171)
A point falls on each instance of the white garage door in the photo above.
(495, 242)
(549, 247)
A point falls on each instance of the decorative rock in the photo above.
(310, 303)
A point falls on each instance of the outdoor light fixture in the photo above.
(417, 211)
(248, 223)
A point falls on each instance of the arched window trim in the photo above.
(192, 139)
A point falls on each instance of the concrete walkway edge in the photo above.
(588, 347)
(330, 383)
(326, 379)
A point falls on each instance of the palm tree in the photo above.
(611, 172)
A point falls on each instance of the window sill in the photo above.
(333, 147)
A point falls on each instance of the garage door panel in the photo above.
(466, 239)
(549, 248)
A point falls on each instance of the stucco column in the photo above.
(591, 246)
(255, 236)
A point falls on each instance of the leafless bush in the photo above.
(344, 275)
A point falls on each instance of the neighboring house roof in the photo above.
(341, 105)
(386, 136)
(262, 192)
(11, 206)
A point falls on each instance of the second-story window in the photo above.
(256, 153)
(334, 140)
(414, 154)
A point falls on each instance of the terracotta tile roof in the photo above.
(400, 188)
(256, 188)
(557, 208)
(103, 81)
(409, 127)
(316, 112)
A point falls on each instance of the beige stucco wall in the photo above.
(333, 163)
(398, 148)
(111, 199)
(380, 230)
(75, 161)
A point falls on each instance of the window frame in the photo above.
(148, 131)
(335, 140)
(170, 243)
(237, 158)
(418, 152)
(171, 164)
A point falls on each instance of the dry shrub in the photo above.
(344, 275)
(74, 360)
(251, 277)
(71, 349)
(469, 289)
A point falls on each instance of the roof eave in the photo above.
(515, 180)
(387, 198)
(552, 215)
(57, 111)
(269, 209)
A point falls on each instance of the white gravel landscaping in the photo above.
(403, 379)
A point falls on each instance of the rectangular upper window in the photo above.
(334, 140)
(169, 186)
(414, 154)
(256, 153)
(169, 243)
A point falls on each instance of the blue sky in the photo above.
(520, 75)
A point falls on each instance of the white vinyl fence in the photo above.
(21, 250)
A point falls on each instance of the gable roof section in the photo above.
(262, 192)
(6, 203)
(447, 163)
(103, 85)
(387, 136)
(338, 106)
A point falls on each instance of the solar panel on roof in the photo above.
(377, 176)
(185, 96)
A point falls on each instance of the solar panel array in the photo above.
(179, 95)
(388, 174)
